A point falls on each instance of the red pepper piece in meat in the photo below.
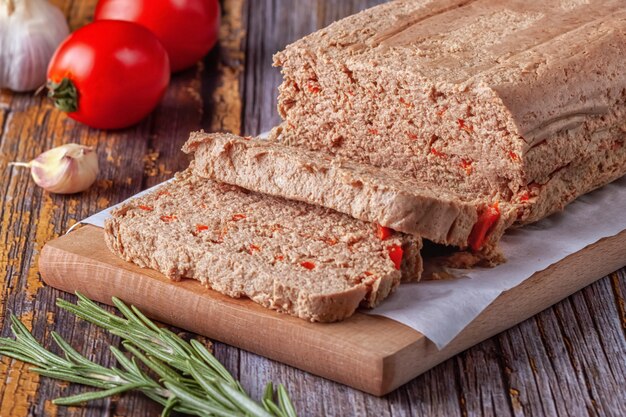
(201, 227)
(525, 196)
(464, 126)
(383, 232)
(438, 153)
(483, 226)
(395, 254)
(313, 87)
(466, 164)
(406, 103)
(308, 265)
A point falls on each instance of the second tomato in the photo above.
(108, 74)
(187, 28)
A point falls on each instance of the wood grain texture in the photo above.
(567, 360)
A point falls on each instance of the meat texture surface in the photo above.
(305, 260)
(513, 101)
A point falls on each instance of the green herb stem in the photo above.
(182, 376)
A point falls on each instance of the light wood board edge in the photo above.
(371, 353)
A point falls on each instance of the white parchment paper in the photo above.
(442, 309)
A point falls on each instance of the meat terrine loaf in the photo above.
(510, 100)
(308, 261)
(363, 191)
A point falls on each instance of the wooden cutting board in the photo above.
(371, 353)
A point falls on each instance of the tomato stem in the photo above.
(64, 95)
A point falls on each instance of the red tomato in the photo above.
(187, 28)
(109, 74)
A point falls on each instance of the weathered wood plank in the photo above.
(532, 368)
(618, 285)
(556, 364)
(32, 217)
(223, 86)
(480, 376)
(596, 346)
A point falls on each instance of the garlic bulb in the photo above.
(30, 32)
(66, 169)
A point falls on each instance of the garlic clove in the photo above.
(66, 169)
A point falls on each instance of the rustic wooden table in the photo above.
(568, 360)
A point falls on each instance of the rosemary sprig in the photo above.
(182, 376)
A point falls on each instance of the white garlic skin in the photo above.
(30, 32)
(66, 169)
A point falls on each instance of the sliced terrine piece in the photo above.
(308, 261)
(365, 192)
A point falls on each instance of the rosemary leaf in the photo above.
(200, 403)
(273, 408)
(64, 375)
(210, 360)
(129, 365)
(70, 353)
(251, 407)
(169, 406)
(285, 402)
(208, 384)
(96, 395)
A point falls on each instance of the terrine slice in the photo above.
(305, 260)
